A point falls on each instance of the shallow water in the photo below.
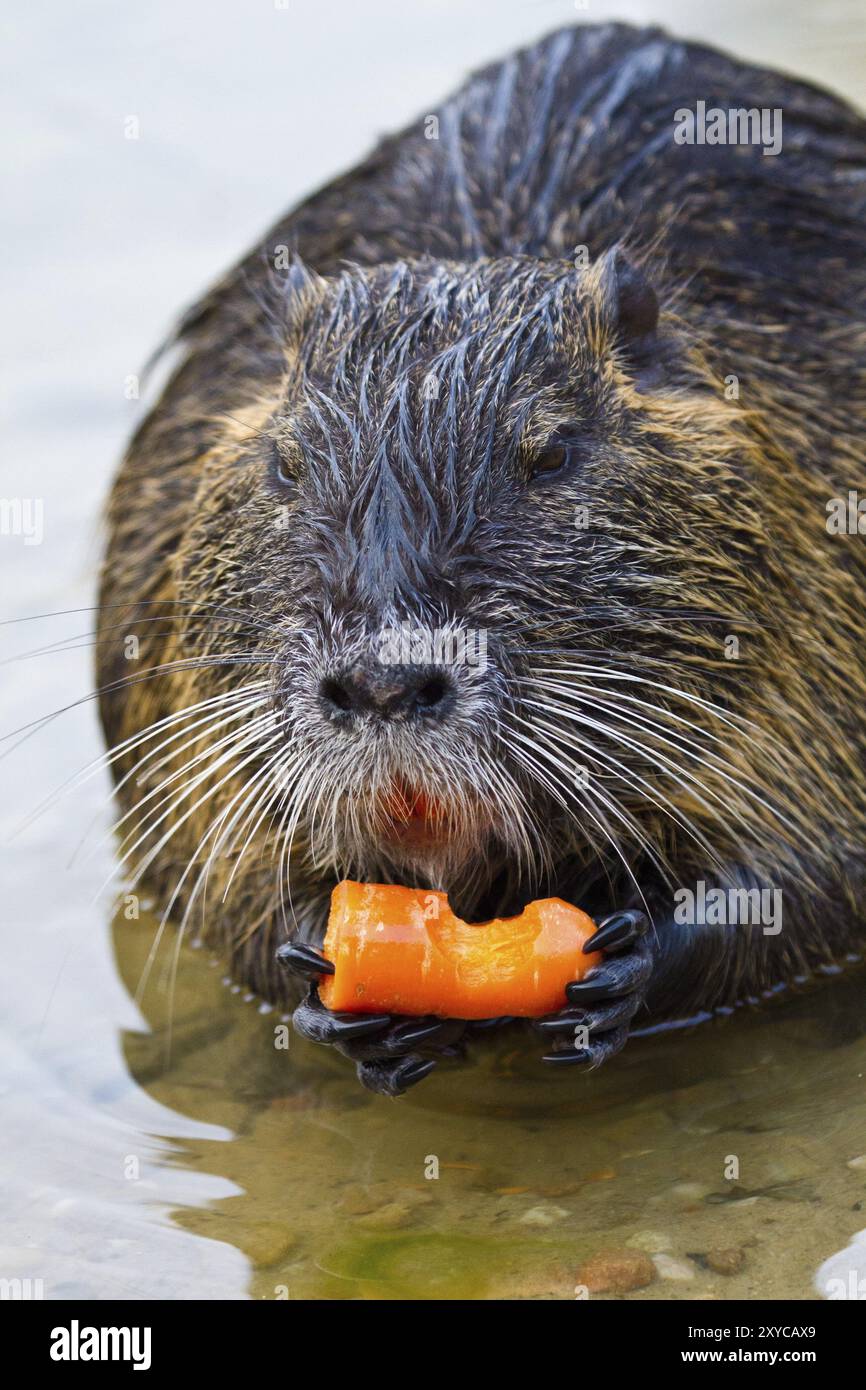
(535, 1172)
(214, 1163)
(209, 1160)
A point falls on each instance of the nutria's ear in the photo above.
(299, 283)
(300, 291)
(631, 307)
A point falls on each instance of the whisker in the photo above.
(572, 712)
(734, 721)
(233, 771)
(607, 835)
(131, 606)
(111, 755)
(240, 740)
(692, 784)
(152, 673)
(206, 753)
(630, 778)
(218, 829)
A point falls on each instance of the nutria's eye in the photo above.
(549, 461)
(281, 468)
(557, 457)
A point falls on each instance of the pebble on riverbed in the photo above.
(689, 1192)
(725, 1261)
(616, 1271)
(544, 1216)
(268, 1242)
(670, 1268)
(390, 1217)
(363, 1199)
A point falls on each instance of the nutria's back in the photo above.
(572, 142)
(676, 331)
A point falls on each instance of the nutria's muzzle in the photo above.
(373, 691)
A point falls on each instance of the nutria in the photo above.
(543, 371)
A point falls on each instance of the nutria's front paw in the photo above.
(383, 1046)
(601, 1006)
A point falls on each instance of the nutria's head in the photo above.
(490, 530)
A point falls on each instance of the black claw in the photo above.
(316, 1023)
(412, 1075)
(616, 931)
(561, 1023)
(613, 919)
(357, 1025)
(413, 1033)
(601, 1006)
(590, 991)
(303, 959)
(392, 1079)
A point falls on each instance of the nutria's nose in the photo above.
(379, 691)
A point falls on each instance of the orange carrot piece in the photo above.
(402, 951)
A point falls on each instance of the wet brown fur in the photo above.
(710, 508)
